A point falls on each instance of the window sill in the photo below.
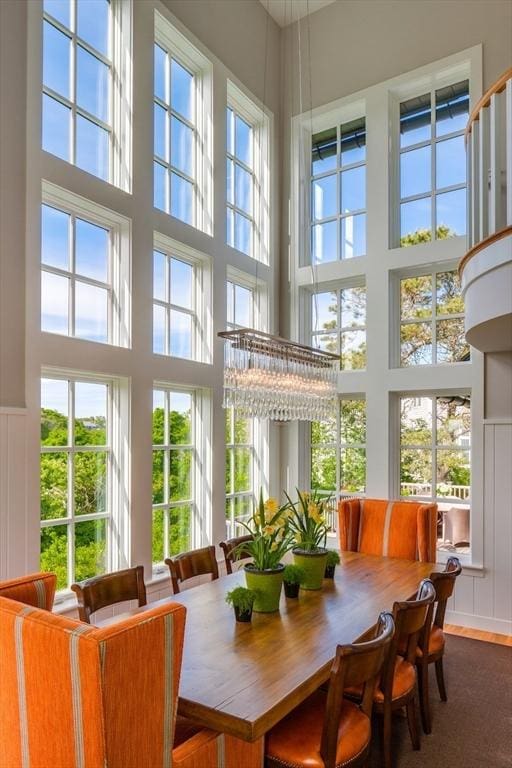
(468, 567)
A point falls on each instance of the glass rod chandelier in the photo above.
(273, 378)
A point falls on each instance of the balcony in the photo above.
(486, 269)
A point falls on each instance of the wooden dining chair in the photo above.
(234, 551)
(397, 687)
(109, 589)
(189, 564)
(326, 729)
(432, 640)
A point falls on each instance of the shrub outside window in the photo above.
(339, 324)
(432, 320)
(174, 469)
(76, 477)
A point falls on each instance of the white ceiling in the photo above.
(287, 11)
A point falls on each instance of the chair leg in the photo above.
(386, 736)
(426, 716)
(412, 722)
(440, 679)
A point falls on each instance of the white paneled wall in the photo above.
(483, 599)
(13, 491)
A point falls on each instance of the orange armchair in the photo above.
(73, 695)
(37, 589)
(389, 528)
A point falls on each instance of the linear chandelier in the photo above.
(270, 377)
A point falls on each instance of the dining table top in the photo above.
(242, 678)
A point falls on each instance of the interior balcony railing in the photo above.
(486, 269)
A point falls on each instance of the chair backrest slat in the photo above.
(234, 551)
(197, 562)
(109, 589)
(444, 584)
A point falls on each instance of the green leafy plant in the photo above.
(333, 558)
(241, 598)
(307, 521)
(293, 574)
(272, 538)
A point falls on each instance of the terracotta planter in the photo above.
(291, 590)
(267, 585)
(314, 563)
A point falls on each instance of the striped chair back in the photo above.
(404, 529)
(37, 589)
(78, 696)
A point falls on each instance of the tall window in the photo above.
(247, 175)
(433, 165)
(435, 459)
(175, 137)
(174, 469)
(77, 83)
(432, 320)
(240, 183)
(338, 450)
(84, 269)
(339, 324)
(76, 476)
(338, 192)
(240, 432)
(174, 315)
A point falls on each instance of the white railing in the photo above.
(461, 492)
(489, 163)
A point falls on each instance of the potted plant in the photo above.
(242, 600)
(292, 577)
(271, 540)
(332, 561)
(308, 525)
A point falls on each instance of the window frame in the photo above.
(338, 287)
(339, 216)
(433, 447)
(201, 312)
(116, 465)
(119, 127)
(258, 118)
(431, 269)
(200, 529)
(178, 47)
(119, 227)
(418, 86)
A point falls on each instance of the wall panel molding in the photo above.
(13, 491)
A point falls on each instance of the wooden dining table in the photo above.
(241, 679)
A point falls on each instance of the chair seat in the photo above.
(295, 741)
(436, 642)
(403, 682)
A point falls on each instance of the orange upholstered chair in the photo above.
(77, 696)
(389, 528)
(37, 589)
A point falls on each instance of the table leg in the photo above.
(235, 753)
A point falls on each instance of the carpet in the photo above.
(473, 729)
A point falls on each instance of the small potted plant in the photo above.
(242, 600)
(332, 561)
(292, 577)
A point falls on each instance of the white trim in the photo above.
(11, 411)
(484, 623)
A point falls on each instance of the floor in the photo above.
(478, 634)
